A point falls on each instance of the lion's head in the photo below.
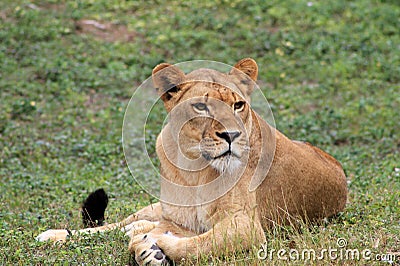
(209, 114)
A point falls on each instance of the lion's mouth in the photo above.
(210, 157)
(227, 153)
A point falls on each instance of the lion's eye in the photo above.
(238, 106)
(200, 106)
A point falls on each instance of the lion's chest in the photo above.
(196, 219)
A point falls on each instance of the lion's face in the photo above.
(211, 124)
(209, 116)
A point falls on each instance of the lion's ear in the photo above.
(247, 66)
(167, 79)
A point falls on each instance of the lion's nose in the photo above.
(229, 136)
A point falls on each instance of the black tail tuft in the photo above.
(93, 208)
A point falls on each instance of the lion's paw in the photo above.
(53, 235)
(147, 252)
(152, 256)
(138, 227)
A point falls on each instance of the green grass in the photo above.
(331, 73)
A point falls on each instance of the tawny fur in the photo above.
(301, 181)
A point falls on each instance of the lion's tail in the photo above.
(93, 208)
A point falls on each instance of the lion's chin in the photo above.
(227, 164)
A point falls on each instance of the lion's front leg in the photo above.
(145, 248)
(141, 222)
(132, 229)
(239, 232)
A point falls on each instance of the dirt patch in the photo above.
(60, 7)
(105, 30)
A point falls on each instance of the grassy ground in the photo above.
(330, 71)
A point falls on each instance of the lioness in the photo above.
(227, 175)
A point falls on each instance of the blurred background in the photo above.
(331, 72)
